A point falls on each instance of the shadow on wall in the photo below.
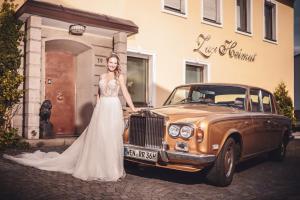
(162, 94)
(85, 114)
(86, 111)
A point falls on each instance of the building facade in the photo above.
(162, 44)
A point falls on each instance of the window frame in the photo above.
(206, 69)
(250, 19)
(201, 67)
(259, 98)
(209, 22)
(274, 3)
(174, 12)
(150, 89)
(271, 101)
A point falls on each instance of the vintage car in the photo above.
(208, 126)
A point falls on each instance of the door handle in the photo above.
(60, 96)
(268, 121)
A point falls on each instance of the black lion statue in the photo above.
(46, 127)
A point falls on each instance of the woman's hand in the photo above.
(136, 109)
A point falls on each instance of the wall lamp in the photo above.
(76, 29)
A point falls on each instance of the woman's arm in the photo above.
(126, 93)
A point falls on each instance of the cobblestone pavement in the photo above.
(255, 179)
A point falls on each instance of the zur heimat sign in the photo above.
(229, 47)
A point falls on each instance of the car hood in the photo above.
(192, 112)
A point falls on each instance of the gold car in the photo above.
(208, 126)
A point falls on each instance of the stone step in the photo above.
(51, 142)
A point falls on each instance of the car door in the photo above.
(271, 123)
(256, 140)
(275, 131)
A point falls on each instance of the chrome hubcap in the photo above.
(282, 149)
(228, 161)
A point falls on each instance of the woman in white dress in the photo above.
(98, 153)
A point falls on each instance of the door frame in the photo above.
(43, 68)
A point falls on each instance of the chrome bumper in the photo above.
(187, 158)
(178, 157)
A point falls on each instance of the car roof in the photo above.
(225, 84)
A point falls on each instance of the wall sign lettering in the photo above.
(229, 47)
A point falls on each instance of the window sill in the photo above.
(244, 33)
(175, 13)
(271, 41)
(219, 25)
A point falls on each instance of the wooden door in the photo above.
(60, 90)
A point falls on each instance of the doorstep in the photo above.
(51, 142)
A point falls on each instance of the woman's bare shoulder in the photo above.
(121, 76)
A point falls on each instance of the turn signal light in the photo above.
(200, 135)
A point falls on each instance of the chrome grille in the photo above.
(146, 130)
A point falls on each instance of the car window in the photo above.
(218, 95)
(266, 101)
(255, 100)
(180, 95)
(205, 96)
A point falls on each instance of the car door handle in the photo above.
(268, 121)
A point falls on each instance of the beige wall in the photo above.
(172, 40)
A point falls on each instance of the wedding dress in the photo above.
(98, 153)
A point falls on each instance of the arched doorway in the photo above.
(68, 76)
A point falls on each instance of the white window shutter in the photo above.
(274, 22)
(249, 16)
(210, 9)
(176, 4)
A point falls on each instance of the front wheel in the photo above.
(221, 172)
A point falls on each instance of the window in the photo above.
(213, 95)
(266, 101)
(211, 11)
(176, 6)
(243, 14)
(255, 100)
(270, 20)
(137, 80)
(194, 73)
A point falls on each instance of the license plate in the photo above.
(140, 154)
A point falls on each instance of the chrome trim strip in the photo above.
(139, 147)
(189, 158)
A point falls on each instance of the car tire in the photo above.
(279, 153)
(221, 172)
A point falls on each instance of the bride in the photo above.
(98, 153)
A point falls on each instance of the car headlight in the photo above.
(174, 130)
(186, 131)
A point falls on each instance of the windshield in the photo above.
(230, 96)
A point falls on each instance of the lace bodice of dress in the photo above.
(108, 88)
